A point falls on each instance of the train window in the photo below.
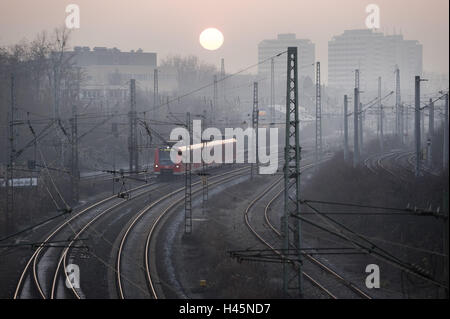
(164, 157)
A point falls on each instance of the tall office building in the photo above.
(269, 48)
(374, 54)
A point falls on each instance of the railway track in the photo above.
(31, 268)
(390, 163)
(155, 287)
(410, 161)
(398, 164)
(91, 215)
(271, 244)
(146, 256)
(34, 280)
(62, 261)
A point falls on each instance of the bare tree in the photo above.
(191, 72)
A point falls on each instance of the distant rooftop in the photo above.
(84, 56)
(102, 49)
(286, 36)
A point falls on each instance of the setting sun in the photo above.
(211, 39)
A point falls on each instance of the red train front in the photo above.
(164, 166)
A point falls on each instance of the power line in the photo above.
(217, 81)
(414, 211)
(372, 249)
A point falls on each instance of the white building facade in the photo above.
(374, 54)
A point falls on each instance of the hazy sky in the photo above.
(173, 26)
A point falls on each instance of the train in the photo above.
(163, 164)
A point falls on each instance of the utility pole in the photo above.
(132, 140)
(402, 123)
(9, 181)
(255, 120)
(292, 170)
(75, 174)
(222, 82)
(204, 174)
(380, 108)
(431, 119)
(215, 99)
(155, 91)
(417, 123)
(398, 115)
(345, 128)
(56, 112)
(445, 163)
(360, 122)
(188, 180)
(430, 133)
(115, 133)
(406, 123)
(422, 129)
(222, 69)
(272, 90)
(318, 150)
(355, 129)
(446, 235)
(359, 114)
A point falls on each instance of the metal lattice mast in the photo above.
(9, 181)
(431, 119)
(204, 174)
(406, 122)
(355, 128)
(222, 82)
(402, 123)
(215, 101)
(422, 130)
(398, 111)
(381, 115)
(188, 179)
(430, 133)
(345, 128)
(132, 139)
(292, 170)
(255, 118)
(359, 113)
(272, 90)
(361, 124)
(155, 91)
(417, 123)
(222, 71)
(445, 160)
(318, 149)
(75, 175)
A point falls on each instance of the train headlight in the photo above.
(177, 166)
(156, 165)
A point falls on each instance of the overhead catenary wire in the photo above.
(409, 211)
(372, 249)
(179, 97)
(67, 207)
